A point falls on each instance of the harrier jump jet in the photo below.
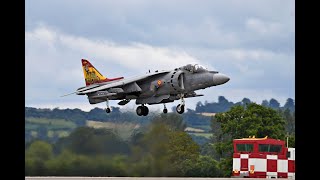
(152, 88)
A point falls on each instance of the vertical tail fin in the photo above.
(92, 75)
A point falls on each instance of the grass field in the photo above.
(206, 135)
(203, 127)
(30, 127)
(62, 128)
(191, 129)
(59, 133)
(33, 123)
(207, 114)
(55, 127)
(124, 130)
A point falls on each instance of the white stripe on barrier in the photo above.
(272, 174)
(236, 164)
(291, 174)
(244, 156)
(259, 164)
(282, 165)
(272, 156)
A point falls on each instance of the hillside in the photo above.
(51, 124)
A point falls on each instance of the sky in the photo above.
(251, 41)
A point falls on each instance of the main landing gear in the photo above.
(108, 110)
(142, 110)
(180, 107)
(165, 110)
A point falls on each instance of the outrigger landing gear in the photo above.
(180, 107)
(108, 110)
(142, 110)
(165, 110)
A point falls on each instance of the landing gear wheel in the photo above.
(165, 111)
(139, 110)
(142, 110)
(145, 110)
(108, 110)
(180, 109)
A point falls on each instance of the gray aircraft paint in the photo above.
(156, 87)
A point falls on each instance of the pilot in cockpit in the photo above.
(194, 68)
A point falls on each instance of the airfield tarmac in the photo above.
(138, 178)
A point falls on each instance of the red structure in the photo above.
(262, 158)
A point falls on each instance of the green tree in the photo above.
(35, 157)
(290, 125)
(255, 120)
(68, 163)
(174, 121)
(245, 101)
(291, 140)
(290, 121)
(289, 104)
(252, 120)
(91, 141)
(274, 104)
(216, 138)
(163, 151)
(182, 149)
(155, 147)
(42, 132)
(265, 103)
(204, 166)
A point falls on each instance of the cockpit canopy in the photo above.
(194, 68)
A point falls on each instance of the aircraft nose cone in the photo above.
(220, 79)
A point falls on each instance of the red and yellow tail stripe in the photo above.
(92, 75)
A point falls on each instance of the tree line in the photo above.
(161, 148)
(192, 118)
(224, 105)
(99, 114)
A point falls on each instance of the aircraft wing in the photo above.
(86, 90)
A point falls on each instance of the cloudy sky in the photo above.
(252, 41)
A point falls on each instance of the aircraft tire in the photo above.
(140, 110)
(108, 110)
(145, 110)
(180, 109)
(165, 111)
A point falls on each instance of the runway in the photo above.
(139, 178)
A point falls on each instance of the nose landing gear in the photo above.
(108, 110)
(180, 107)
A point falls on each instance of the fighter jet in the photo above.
(152, 88)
